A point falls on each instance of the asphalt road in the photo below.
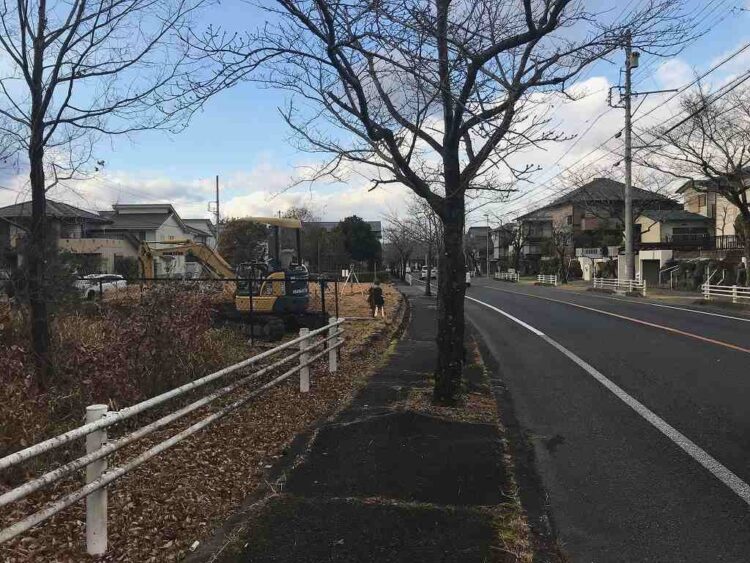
(639, 416)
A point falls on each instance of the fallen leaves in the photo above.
(163, 509)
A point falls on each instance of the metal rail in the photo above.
(98, 448)
(548, 280)
(736, 293)
(620, 285)
(507, 276)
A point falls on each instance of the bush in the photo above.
(384, 276)
(574, 270)
(549, 267)
(114, 354)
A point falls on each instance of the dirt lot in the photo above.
(158, 511)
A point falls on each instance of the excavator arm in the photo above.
(216, 265)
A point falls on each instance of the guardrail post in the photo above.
(304, 370)
(734, 294)
(332, 348)
(96, 502)
(644, 288)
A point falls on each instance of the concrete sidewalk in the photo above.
(385, 483)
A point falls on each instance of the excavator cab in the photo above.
(279, 283)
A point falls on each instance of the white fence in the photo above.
(620, 285)
(736, 293)
(507, 276)
(307, 349)
(548, 280)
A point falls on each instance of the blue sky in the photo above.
(241, 136)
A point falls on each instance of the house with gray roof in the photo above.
(70, 227)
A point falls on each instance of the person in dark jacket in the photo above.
(375, 299)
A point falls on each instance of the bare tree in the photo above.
(400, 243)
(76, 71)
(711, 149)
(436, 95)
(423, 227)
(561, 246)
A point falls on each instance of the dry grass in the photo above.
(160, 509)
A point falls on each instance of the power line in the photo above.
(643, 116)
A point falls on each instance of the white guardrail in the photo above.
(507, 276)
(549, 280)
(620, 285)
(737, 293)
(98, 420)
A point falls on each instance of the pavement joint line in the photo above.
(631, 319)
(715, 467)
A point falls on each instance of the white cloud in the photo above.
(259, 190)
(674, 73)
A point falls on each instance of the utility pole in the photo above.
(218, 227)
(629, 257)
(631, 61)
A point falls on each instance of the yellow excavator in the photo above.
(272, 292)
(214, 265)
(277, 284)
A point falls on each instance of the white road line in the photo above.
(743, 319)
(511, 317)
(637, 302)
(723, 474)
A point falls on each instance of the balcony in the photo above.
(694, 241)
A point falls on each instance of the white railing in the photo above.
(547, 280)
(307, 348)
(620, 285)
(507, 276)
(737, 293)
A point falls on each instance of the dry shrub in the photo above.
(111, 354)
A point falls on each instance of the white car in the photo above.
(92, 285)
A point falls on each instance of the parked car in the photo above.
(93, 284)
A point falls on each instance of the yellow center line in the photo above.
(631, 319)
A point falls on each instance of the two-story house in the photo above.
(700, 198)
(73, 229)
(593, 213)
(104, 237)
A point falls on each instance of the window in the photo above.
(569, 220)
(702, 200)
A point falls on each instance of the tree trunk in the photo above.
(451, 291)
(36, 257)
(428, 280)
(746, 225)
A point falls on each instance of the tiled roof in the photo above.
(53, 209)
(673, 215)
(602, 190)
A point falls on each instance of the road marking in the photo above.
(632, 319)
(511, 317)
(635, 302)
(716, 468)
